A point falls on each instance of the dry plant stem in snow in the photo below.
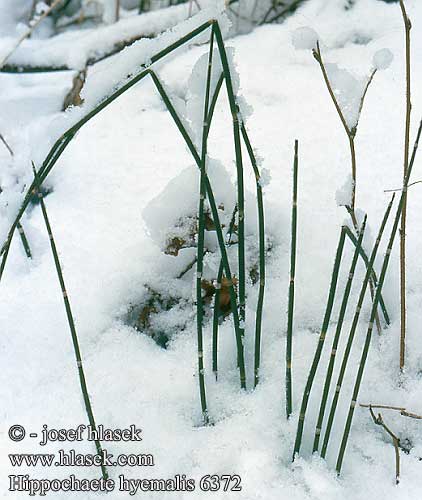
(289, 336)
(351, 134)
(352, 332)
(29, 31)
(407, 25)
(396, 441)
(336, 338)
(201, 238)
(82, 380)
(324, 328)
(384, 268)
(402, 410)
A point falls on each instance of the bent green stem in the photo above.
(71, 322)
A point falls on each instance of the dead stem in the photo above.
(407, 26)
(396, 441)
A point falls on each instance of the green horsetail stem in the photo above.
(336, 338)
(317, 356)
(82, 380)
(353, 330)
(214, 212)
(201, 241)
(261, 249)
(24, 240)
(216, 313)
(261, 231)
(60, 145)
(289, 336)
(240, 185)
(373, 277)
(383, 273)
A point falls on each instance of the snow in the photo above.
(382, 59)
(304, 38)
(110, 210)
(344, 194)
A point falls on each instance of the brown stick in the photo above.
(402, 410)
(396, 441)
(407, 25)
(29, 31)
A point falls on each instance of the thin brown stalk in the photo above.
(407, 26)
(401, 409)
(396, 441)
(29, 31)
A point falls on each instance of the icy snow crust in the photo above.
(113, 169)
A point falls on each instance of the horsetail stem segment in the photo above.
(240, 187)
(82, 380)
(261, 246)
(289, 337)
(60, 145)
(374, 306)
(353, 330)
(214, 211)
(201, 238)
(217, 301)
(315, 362)
(336, 338)
(373, 277)
(24, 239)
(261, 231)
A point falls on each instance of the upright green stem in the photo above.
(317, 357)
(289, 338)
(216, 313)
(240, 186)
(351, 336)
(215, 216)
(201, 238)
(82, 380)
(261, 246)
(407, 25)
(374, 307)
(336, 338)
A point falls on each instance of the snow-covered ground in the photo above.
(121, 161)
